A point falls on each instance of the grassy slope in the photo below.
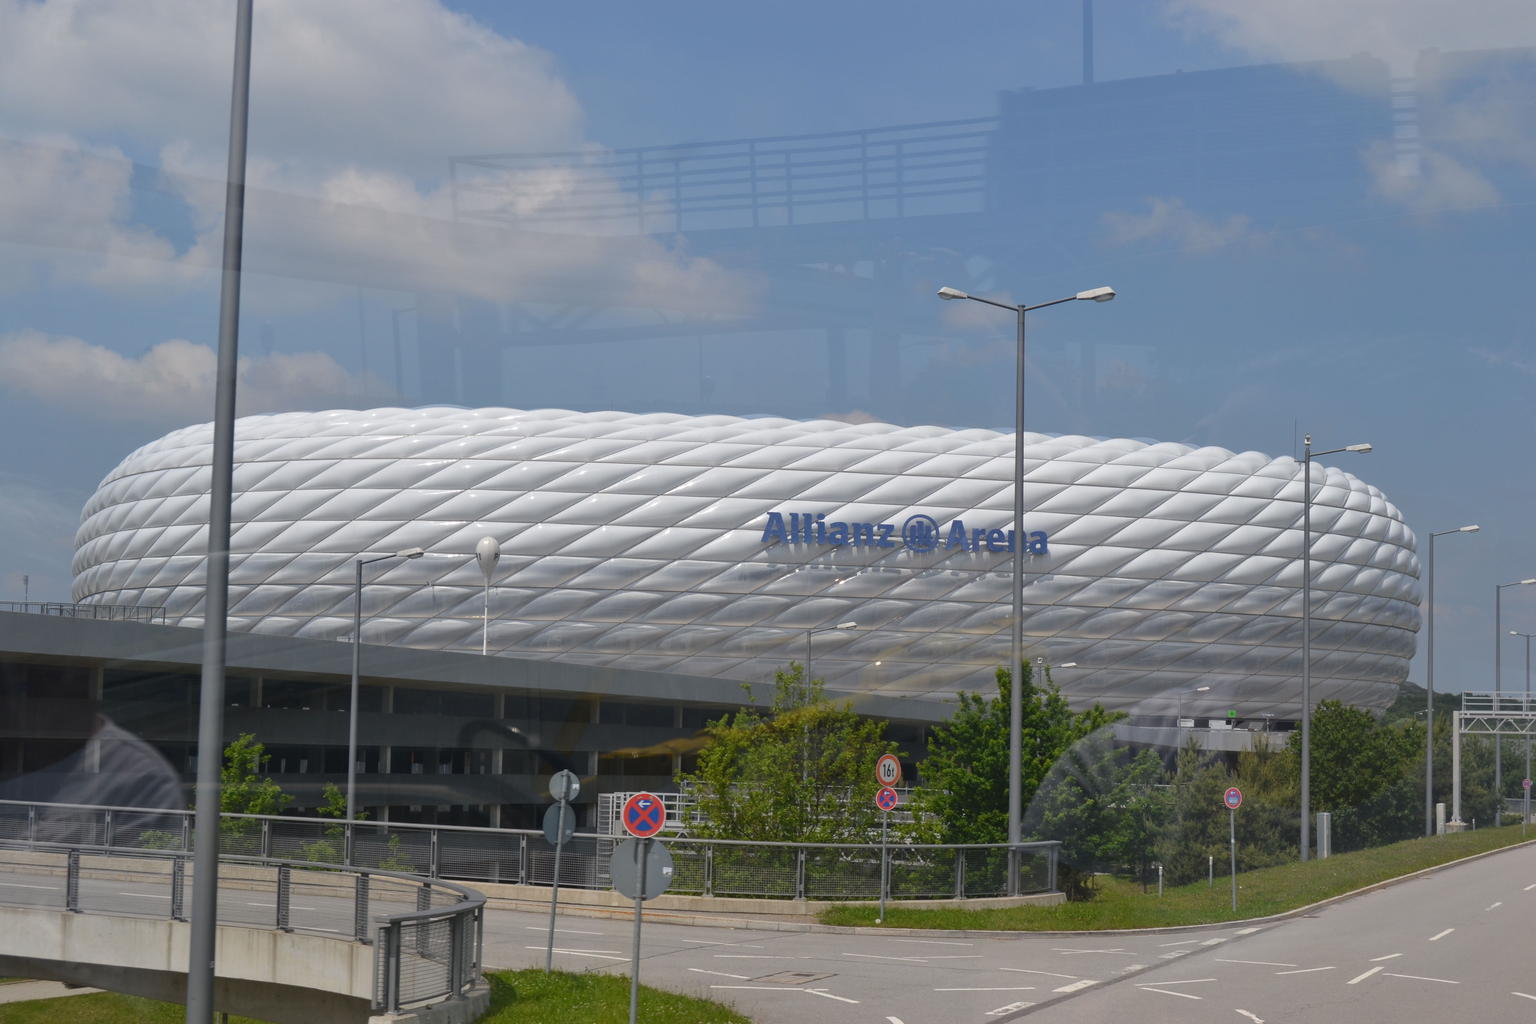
(517, 997)
(1260, 893)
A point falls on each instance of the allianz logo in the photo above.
(920, 533)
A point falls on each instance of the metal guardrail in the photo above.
(831, 177)
(110, 612)
(1505, 702)
(429, 949)
(704, 867)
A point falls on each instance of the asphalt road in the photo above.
(1454, 946)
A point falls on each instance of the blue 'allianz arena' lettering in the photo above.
(919, 533)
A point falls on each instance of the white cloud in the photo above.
(1170, 222)
(1429, 182)
(356, 108)
(172, 382)
(1393, 30)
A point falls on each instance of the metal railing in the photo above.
(704, 867)
(111, 612)
(862, 175)
(1498, 702)
(427, 933)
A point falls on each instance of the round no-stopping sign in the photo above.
(1233, 798)
(886, 798)
(643, 816)
(888, 770)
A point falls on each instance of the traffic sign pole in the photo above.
(885, 863)
(1232, 841)
(642, 853)
(554, 889)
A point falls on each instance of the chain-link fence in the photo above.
(704, 867)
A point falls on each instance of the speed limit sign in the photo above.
(888, 770)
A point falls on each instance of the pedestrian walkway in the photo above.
(25, 991)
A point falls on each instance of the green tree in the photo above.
(244, 788)
(1195, 826)
(329, 850)
(1104, 805)
(964, 792)
(1268, 824)
(801, 771)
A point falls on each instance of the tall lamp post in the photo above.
(821, 629)
(1306, 631)
(357, 656)
(1429, 688)
(1179, 713)
(1016, 655)
(1516, 632)
(1498, 677)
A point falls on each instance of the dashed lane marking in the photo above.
(828, 995)
(935, 942)
(752, 956)
(1191, 981)
(717, 942)
(1494, 906)
(568, 931)
(893, 1020)
(1252, 1016)
(23, 885)
(1002, 988)
(1529, 887)
(779, 988)
(1245, 931)
(1440, 935)
(1523, 995)
(1213, 942)
(146, 895)
(1379, 959)
(1167, 992)
(1076, 985)
(1308, 970)
(1068, 951)
(1048, 974)
(881, 956)
(720, 974)
(1181, 942)
(601, 954)
(1415, 977)
(1256, 963)
(1010, 1008)
(1357, 979)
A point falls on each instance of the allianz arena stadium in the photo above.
(725, 547)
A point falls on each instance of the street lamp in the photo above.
(1306, 629)
(487, 553)
(1016, 655)
(1527, 708)
(357, 654)
(1178, 719)
(821, 629)
(1498, 678)
(1429, 695)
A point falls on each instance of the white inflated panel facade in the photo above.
(647, 541)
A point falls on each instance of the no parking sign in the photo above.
(643, 816)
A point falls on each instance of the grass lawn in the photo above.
(517, 997)
(1120, 904)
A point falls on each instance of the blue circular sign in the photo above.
(1233, 798)
(920, 532)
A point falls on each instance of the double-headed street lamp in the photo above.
(1516, 632)
(357, 655)
(1306, 630)
(1429, 688)
(821, 629)
(1015, 665)
(1498, 677)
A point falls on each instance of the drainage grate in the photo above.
(792, 977)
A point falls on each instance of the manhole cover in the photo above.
(792, 977)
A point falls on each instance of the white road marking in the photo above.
(1173, 954)
(1495, 906)
(1523, 995)
(716, 942)
(1415, 977)
(1256, 963)
(1069, 951)
(1379, 959)
(893, 1020)
(1132, 968)
(273, 906)
(1014, 988)
(23, 885)
(720, 974)
(601, 954)
(1252, 1016)
(1529, 887)
(752, 956)
(1245, 931)
(1009, 1009)
(1213, 942)
(935, 942)
(1075, 986)
(950, 956)
(1361, 977)
(1191, 981)
(309, 929)
(568, 931)
(1166, 992)
(1440, 935)
(828, 995)
(1307, 970)
(146, 895)
(880, 956)
(1048, 974)
(1183, 942)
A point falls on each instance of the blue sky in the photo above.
(1370, 291)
